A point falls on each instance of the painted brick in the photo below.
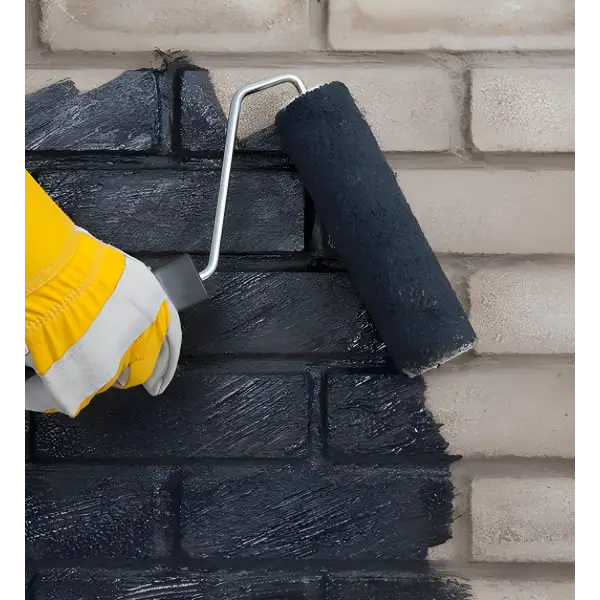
(339, 513)
(71, 584)
(523, 520)
(523, 110)
(522, 590)
(199, 415)
(123, 114)
(280, 313)
(415, 587)
(27, 434)
(524, 307)
(493, 211)
(138, 25)
(409, 108)
(380, 415)
(461, 25)
(505, 409)
(86, 512)
(174, 211)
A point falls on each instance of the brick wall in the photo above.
(287, 460)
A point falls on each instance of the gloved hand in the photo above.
(94, 317)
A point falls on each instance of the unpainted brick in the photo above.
(525, 307)
(86, 584)
(468, 211)
(523, 110)
(371, 415)
(460, 25)
(522, 590)
(84, 79)
(333, 513)
(523, 520)
(123, 114)
(89, 512)
(138, 25)
(174, 211)
(409, 108)
(31, 26)
(505, 409)
(199, 415)
(280, 313)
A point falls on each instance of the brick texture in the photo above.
(200, 415)
(521, 520)
(58, 118)
(340, 513)
(524, 307)
(174, 211)
(523, 110)
(215, 25)
(493, 211)
(455, 25)
(498, 409)
(82, 513)
(519, 590)
(409, 108)
(59, 584)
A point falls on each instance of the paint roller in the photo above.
(357, 198)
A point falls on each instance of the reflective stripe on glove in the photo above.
(94, 317)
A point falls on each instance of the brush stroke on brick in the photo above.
(287, 459)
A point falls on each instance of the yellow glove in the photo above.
(94, 316)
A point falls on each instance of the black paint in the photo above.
(73, 584)
(280, 313)
(200, 415)
(378, 238)
(332, 513)
(90, 512)
(373, 415)
(174, 211)
(120, 115)
(286, 458)
(390, 587)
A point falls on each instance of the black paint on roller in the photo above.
(378, 238)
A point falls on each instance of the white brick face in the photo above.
(482, 589)
(523, 110)
(504, 408)
(196, 25)
(493, 211)
(451, 25)
(523, 520)
(524, 307)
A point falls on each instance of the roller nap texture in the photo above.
(380, 242)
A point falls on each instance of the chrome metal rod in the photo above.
(232, 126)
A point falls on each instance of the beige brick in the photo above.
(524, 307)
(493, 212)
(523, 110)
(522, 590)
(451, 24)
(409, 108)
(31, 25)
(491, 409)
(523, 520)
(202, 25)
(84, 79)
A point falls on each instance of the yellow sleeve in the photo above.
(50, 237)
